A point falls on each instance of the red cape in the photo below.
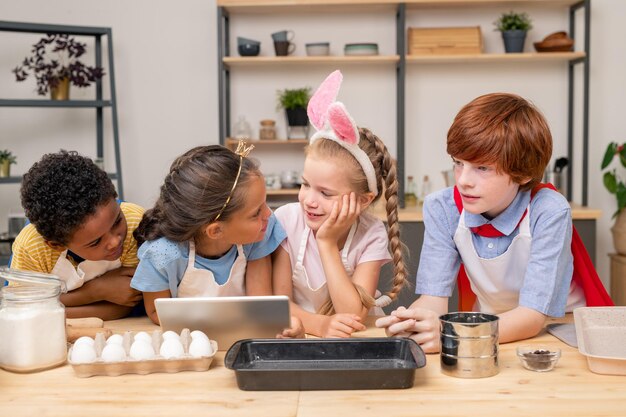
(585, 275)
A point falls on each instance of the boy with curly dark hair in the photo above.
(81, 233)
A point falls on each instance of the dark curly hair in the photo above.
(61, 191)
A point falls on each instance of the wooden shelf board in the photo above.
(412, 4)
(524, 57)
(291, 6)
(279, 142)
(283, 191)
(53, 103)
(308, 60)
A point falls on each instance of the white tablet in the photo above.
(226, 319)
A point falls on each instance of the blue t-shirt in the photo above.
(550, 267)
(162, 262)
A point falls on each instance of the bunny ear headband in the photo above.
(332, 121)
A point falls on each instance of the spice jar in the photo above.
(268, 130)
(32, 322)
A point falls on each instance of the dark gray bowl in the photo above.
(249, 49)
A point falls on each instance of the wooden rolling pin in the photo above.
(88, 326)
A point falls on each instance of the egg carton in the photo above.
(146, 366)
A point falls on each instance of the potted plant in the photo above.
(6, 160)
(55, 74)
(295, 101)
(513, 27)
(616, 186)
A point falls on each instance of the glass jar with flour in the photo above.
(32, 322)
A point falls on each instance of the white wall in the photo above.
(166, 73)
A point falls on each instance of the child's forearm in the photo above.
(102, 309)
(520, 323)
(343, 293)
(313, 323)
(259, 276)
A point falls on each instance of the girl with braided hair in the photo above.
(330, 263)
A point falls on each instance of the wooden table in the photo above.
(570, 390)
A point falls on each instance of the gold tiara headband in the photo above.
(242, 150)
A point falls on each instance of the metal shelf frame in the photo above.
(99, 103)
(223, 36)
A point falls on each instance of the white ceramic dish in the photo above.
(360, 49)
(318, 49)
(601, 336)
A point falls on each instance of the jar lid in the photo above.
(268, 122)
(32, 278)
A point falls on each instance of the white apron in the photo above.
(312, 299)
(75, 277)
(201, 282)
(498, 281)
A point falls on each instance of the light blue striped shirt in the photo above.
(549, 271)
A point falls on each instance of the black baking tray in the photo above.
(324, 364)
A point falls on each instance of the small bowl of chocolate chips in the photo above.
(538, 358)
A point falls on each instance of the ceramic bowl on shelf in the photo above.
(555, 42)
(360, 49)
(318, 49)
(248, 49)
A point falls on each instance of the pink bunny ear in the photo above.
(342, 124)
(325, 95)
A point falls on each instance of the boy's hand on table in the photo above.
(115, 287)
(342, 325)
(421, 325)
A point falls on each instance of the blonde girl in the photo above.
(330, 263)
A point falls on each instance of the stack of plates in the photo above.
(361, 49)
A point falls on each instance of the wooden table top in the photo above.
(570, 390)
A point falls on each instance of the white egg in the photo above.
(171, 348)
(198, 333)
(141, 350)
(113, 353)
(84, 340)
(143, 336)
(170, 335)
(117, 339)
(200, 347)
(83, 353)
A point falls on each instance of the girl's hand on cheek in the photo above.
(344, 213)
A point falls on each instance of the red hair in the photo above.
(505, 130)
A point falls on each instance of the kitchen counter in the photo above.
(414, 214)
(570, 390)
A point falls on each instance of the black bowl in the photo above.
(248, 49)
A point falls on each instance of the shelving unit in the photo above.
(98, 104)
(226, 8)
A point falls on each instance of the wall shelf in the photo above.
(98, 104)
(230, 142)
(53, 103)
(227, 9)
(308, 60)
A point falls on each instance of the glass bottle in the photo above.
(426, 189)
(32, 322)
(410, 196)
(241, 129)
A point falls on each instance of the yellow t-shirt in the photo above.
(31, 253)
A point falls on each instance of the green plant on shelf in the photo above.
(7, 156)
(513, 21)
(297, 98)
(611, 180)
